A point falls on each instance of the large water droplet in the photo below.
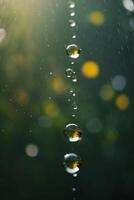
(72, 163)
(73, 51)
(73, 133)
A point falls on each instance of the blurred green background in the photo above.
(34, 93)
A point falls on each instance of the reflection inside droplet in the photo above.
(72, 163)
(73, 51)
(73, 133)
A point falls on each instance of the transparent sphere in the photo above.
(73, 133)
(72, 163)
(73, 51)
(70, 73)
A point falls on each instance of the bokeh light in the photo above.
(31, 150)
(97, 18)
(51, 108)
(58, 85)
(90, 69)
(129, 5)
(106, 92)
(122, 102)
(119, 82)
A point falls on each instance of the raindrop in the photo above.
(73, 133)
(74, 94)
(73, 51)
(72, 163)
(72, 23)
(73, 115)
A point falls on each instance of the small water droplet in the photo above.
(72, 63)
(74, 79)
(70, 73)
(74, 36)
(72, 23)
(74, 94)
(73, 51)
(69, 100)
(72, 13)
(51, 73)
(72, 163)
(71, 4)
(71, 90)
(73, 133)
(73, 115)
(74, 175)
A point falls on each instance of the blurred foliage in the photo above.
(35, 99)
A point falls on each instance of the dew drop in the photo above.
(73, 133)
(74, 79)
(70, 73)
(72, 23)
(74, 36)
(72, 163)
(72, 13)
(71, 4)
(73, 115)
(74, 175)
(73, 51)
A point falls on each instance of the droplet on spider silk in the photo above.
(72, 13)
(70, 73)
(72, 23)
(71, 4)
(72, 163)
(73, 51)
(73, 133)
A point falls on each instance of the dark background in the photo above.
(34, 107)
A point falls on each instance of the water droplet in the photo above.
(70, 73)
(71, 4)
(71, 90)
(73, 115)
(72, 13)
(74, 79)
(72, 63)
(73, 51)
(72, 163)
(74, 175)
(69, 100)
(74, 94)
(73, 132)
(51, 73)
(74, 36)
(72, 23)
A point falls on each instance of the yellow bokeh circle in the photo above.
(122, 102)
(90, 69)
(106, 92)
(97, 18)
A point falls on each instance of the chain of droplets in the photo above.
(72, 132)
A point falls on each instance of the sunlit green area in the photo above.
(36, 101)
